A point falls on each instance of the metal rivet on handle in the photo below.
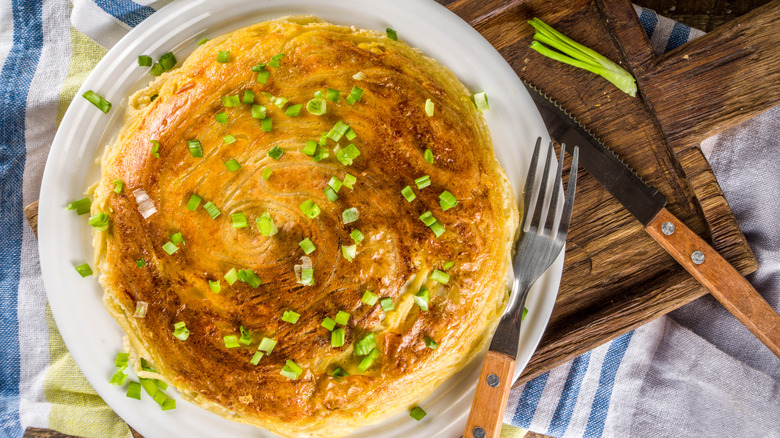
(493, 380)
(697, 257)
(478, 432)
(667, 228)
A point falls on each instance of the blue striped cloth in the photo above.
(641, 384)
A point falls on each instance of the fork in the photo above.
(538, 247)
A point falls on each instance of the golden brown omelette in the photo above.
(314, 222)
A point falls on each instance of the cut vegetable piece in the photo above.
(99, 102)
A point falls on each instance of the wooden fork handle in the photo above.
(717, 275)
(487, 409)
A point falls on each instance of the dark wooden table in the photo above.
(705, 15)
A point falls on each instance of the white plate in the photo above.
(93, 337)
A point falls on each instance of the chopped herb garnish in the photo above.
(448, 265)
(350, 215)
(266, 225)
(167, 61)
(423, 181)
(408, 194)
(354, 95)
(140, 263)
(256, 358)
(335, 184)
(333, 95)
(337, 337)
(307, 246)
(429, 106)
(356, 235)
(267, 345)
(365, 345)
(196, 150)
(215, 286)
(180, 331)
(437, 228)
(99, 221)
(119, 377)
(99, 102)
(290, 316)
(211, 209)
(293, 110)
(145, 61)
(258, 112)
(427, 218)
(177, 238)
(387, 304)
(223, 56)
(156, 69)
(422, 298)
(310, 209)
(258, 67)
(276, 152)
(118, 185)
(81, 206)
(481, 101)
(134, 390)
(274, 61)
(428, 155)
(228, 139)
(342, 317)
(170, 248)
(310, 148)
(338, 130)
(367, 361)
(328, 323)
(349, 252)
(392, 34)
(246, 337)
(155, 148)
(417, 413)
(203, 41)
(232, 165)
(267, 125)
(291, 370)
(267, 173)
(338, 373)
(249, 277)
(440, 276)
(221, 117)
(231, 341)
(262, 75)
(349, 181)
(447, 200)
(347, 154)
(350, 134)
(84, 270)
(239, 220)
(317, 106)
(369, 298)
(231, 101)
(231, 276)
(430, 343)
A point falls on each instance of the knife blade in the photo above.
(647, 205)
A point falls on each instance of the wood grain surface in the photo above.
(616, 277)
(489, 404)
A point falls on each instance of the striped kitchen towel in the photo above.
(47, 47)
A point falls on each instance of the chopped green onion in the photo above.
(349, 181)
(274, 62)
(228, 139)
(310, 209)
(258, 112)
(342, 317)
(160, 397)
(328, 323)
(231, 276)
(170, 248)
(249, 97)
(145, 61)
(359, 76)
(337, 337)
(338, 130)
(356, 235)
(423, 181)
(293, 110)
(347, 154)
(81, 206)
(408, 194)
(338, 373)
(481, 101)
(440, 276)
(437, 228)
(134, 390)
(354, 95)
(194, 202)
(323, 139)
(428, 155)
(307, 246)
(262, 75)
(330, 194)
(156, 69)
(168, 404)
(231, 101)
(427, 218)
(367, 361)
(167, 61)
(290, 316)
(350, 134)
(267, 173)
(422, 298)
(321, 154)
(392, 34)
(149, 386)
(232, 165)
(99, 102)
(239, 220)
(387, 304)
(215, 286)
(417, 413)
(449, 264)
(155, 148)
(350, 215)
(231, 341)
(120, 361)
(333, 95)
(349, 252)
(447, 200)
(280, 102)
(577, 55)
(310, 148)
(369, 298)
(258, 67)
(266, 225)
(267, 345)
(118, 378)
(256, 358)
(291, 370)
(249, 277)
(246, 337)
(430, 343)
(211, 209)
(99, 221)
(140, 263)
(180, 331)
(267, 125)
(223, 56)
(365, 345)
(317, 106)
(276, 152)
(335, 183)
(177, 238)
(429, 106)
(154, 96)
(196, 150)
(203, 41)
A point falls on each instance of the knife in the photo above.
(647, 205)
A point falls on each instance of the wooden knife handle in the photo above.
(717, 275)
(487, 409)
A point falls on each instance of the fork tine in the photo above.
(529, 180)
(570, 189)
(553, 205)
(537, 218)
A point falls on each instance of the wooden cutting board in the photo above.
(616, 277)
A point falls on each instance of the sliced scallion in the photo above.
(177, 238)
(267, 124)
(155, 148)
(267, 345)
(231, 276)
(367, 361)
(408, 194)
(422, 298)
(369, 298)
(84, 270)
(82, 206)
(428, 155)
(203, 41)
(256, 358)
(212, 209)
(145, 61)
(231, 341)
(141, 307)
(250, 278)
(392, 34)
(423, 181)
(310, 209)
(440, 276)
(239, 220)
(307, 246)
(430, 343)
(354, 95)
(168, 61)
(332, 95)
(290, 316)
(267, 173)
(310, 148)
(196, 150)
(338, 130)
(118, 378)
(140, 263)
(387, 304)
(228, 139)
(349, 181)
(328, 323)
(246, 337)
(180, 331)
(350, 215)
(317, 106)
(156, 69)
(356, 235)
(262, 75)
(170, 248)
(274, 61)
(337, 337)
(427, 218)
(481, 101)
(266, 225)
(365, 345)
(231, 101)
(258, 112)
(232, 165)
(99, 221)
(293, 110)
(350, 134)
(448, 265)
(349, 252)
(134, 390)
(338, 373)
(437, 228)
(99, 102)
(276, 152)
(223, 56)
(347, 154)
(417, 413)
(291, 370)
(215, 286)
(429, 107)
(447, 200)
(342, 317)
